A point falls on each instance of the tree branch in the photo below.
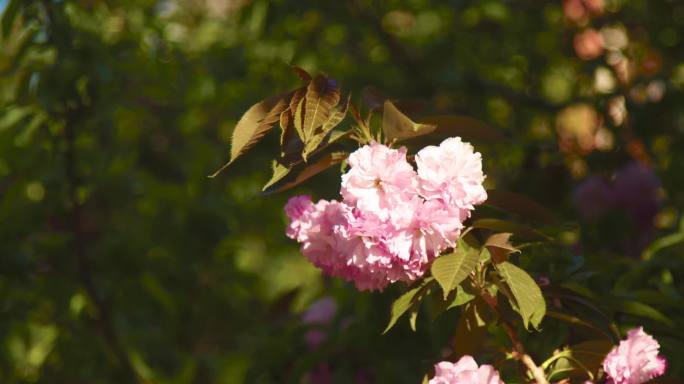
(518, 348)
(59, 36)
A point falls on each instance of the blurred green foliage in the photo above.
(120, 261)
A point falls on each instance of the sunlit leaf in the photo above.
(413, 316)
(460, 298)
(279, 172)
(254, 124)
(499, 246)
(335, 117)
(398, 126)
(301, 173)
(322, 95)
(405, 302)
(450, 270)
(580, 360)
(529, 301)
(13, 115)
(456, 298)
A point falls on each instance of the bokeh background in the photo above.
(121, 262)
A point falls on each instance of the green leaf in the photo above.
(460, 298)
(279, 183)
(426, 380)
(640, 309)
(413, 316)
(279, 172)
(527, 298)
(13, 115)
(521, 231)
(9, 15)
(457, 298)
(405, 302)
(450, 270)
(397, 126)
(298, 118)
(518, 204)
(580, 360)
(468, 128)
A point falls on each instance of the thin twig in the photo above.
(518, 348)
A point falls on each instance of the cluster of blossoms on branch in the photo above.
(393, 220)
(634, 361)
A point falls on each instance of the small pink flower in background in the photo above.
(314, 338)
(451, 172)
(465, 371)
(635, 360)
(321, 311)
(588, 44)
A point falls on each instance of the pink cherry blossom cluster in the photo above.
(392, 220)
(464, 371)
(635, 360)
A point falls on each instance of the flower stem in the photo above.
(518, 348)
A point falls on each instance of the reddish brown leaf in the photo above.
(281, 173)
(336, 116)
(499, 246)
(397, 125)
(254, 124)
(302, 73)
(322, 95)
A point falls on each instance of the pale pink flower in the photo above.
(452, 172)
(465, 371)
(294, 209)
(635, 360)
(321, 311)
(378, 177)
